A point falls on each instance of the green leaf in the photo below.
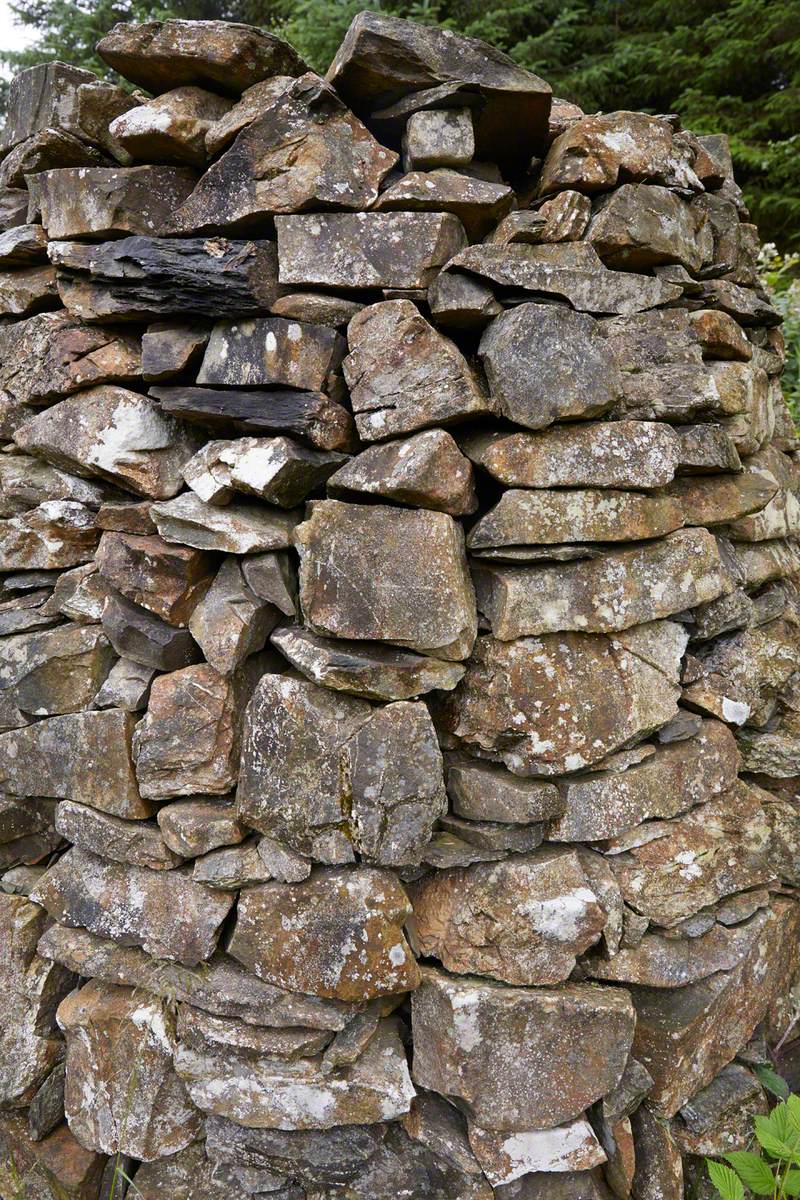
(791, 1183)
(753, 1172)
(773, 1145)
(773, 1082)
(726, 1181)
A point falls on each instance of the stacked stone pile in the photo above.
(399, 630)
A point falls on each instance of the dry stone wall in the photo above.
(399, 680)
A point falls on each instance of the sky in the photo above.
(12, 35)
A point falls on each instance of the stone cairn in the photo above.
(399, 684)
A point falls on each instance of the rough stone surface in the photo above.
(404, 375)
(523, 920)
(501, 708)
(479, 1041)
(115, 434)
(119, 1060)
(425, 471)
(385, 574)
(159, 55)
(279, 926)
(304, 149)
(164, 912)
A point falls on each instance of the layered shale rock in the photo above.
(399, 633)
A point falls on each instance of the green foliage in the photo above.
(774, 1170)
(724, 65)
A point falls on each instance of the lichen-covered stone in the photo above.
(115, 434)
(426, 470)
(338, 934)
(83, 756)
(491, 1046)
(384, 574)
(372, 671)
(366, 250)
(304, 149)
(383, 57)
(522, 921)
(188, 741)
(101, 202)
(618, 454)
(328, 774)
(534, 378)
(119, 1063)
(165, 579)
(502, 710)
(164, 912)
(621, 589)
(269, 1093)
(159, 55)
(53, 354)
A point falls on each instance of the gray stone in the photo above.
(159, 55)
(188, 742)
(312, 416)
(622, 589)
(114, 433)
(237, 529)
(372, 250)
(567, 271)
(197, 825)
(109, 1031)
(671, 781)
(406, 573)
(51, 355)
(166, 913)
(266, 1092)
(639, 226)
(525, 517)
(545, 362)
(218, 985)
(372, 671)
(136, 842)
(715, 850)
(305, 149)
(278, 470)
(144, 638)
(317, 763)
(595, 151)
(383, 58)
(22, 246)
(271, 351)
(230, 623)
(438, 138)
(478, 203)
(79, 756)
(54, 671)
(172, 128)
(425, 471)
(614, 454)
(27, 290)
(483, 792)
(488, 1045)
(404, 375)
